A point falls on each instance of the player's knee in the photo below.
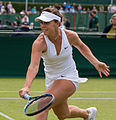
(61, 117)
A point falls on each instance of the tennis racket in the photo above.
(37, 104)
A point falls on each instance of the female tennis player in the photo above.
(54, 45)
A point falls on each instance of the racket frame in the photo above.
(32, 99)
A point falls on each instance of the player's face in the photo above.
(48, 27)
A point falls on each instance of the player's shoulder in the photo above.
(39, 43)
(40, 39)
(70, 32)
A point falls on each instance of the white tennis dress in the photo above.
(60, 66)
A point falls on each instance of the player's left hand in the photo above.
(102, 68)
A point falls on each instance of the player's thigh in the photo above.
(61, 89)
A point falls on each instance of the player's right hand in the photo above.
(23, 91)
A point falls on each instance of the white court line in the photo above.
(9, 118)
(69, 98)
(77, 91)
(93, 98)
(18, 91)
(5, 98)
(96, 91)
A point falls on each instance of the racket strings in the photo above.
(38, 105)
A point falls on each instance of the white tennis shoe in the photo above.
(92, 113)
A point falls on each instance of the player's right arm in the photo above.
(37, 48)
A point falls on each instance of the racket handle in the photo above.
(26, 96)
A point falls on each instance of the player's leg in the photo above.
(42, 116)
(62, 89)
(64, 111)
(58, 89)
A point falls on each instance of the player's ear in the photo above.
(59, 23)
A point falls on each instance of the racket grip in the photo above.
(26, 96)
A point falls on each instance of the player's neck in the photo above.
(55, 37)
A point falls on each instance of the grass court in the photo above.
(100, 93)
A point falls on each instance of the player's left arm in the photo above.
(86, 52)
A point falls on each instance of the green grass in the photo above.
(94, 88)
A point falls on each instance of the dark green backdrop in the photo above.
(15, 56)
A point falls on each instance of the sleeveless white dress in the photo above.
(60, 66)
